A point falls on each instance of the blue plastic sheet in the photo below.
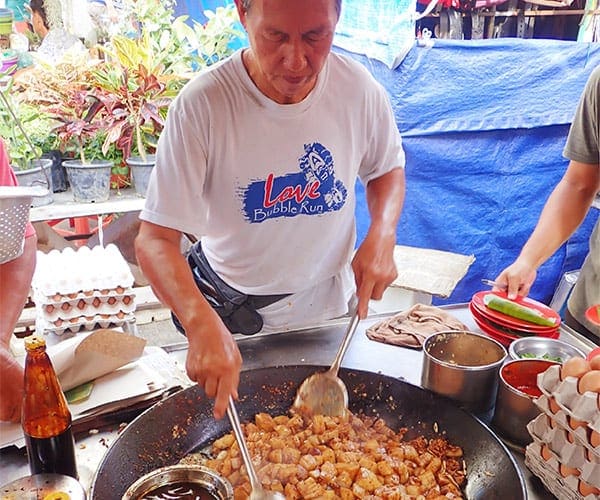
(484, 124)
(378, 29)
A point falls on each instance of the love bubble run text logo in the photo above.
(312, 191)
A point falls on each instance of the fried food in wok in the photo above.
(332, 457)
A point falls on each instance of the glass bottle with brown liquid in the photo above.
(46, 419)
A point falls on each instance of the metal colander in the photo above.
(14, 214)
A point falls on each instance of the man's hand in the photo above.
(374, 270)
(562, 214)
(15, 281)
(11, 387)
(214, 361)
(517, 278)
(373, 264)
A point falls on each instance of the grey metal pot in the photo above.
(464, 366)
(514, 408)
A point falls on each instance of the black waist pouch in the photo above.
(238, 311)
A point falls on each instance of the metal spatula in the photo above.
(325, 393)
(258, 492)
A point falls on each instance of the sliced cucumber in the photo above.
(515, 310)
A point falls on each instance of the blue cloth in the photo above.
(378, 29)
(484, 124)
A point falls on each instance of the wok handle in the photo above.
(337, 361)
(239, 435)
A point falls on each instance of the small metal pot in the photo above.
(543, 348)
(43, 486)
(178, 478)
(464, 366)
(515, 406)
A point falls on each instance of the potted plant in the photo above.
(135, 101)
(142, 76)
(26, 131)
(81, 133)
(96, 151)
(62, 90)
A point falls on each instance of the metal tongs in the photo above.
(258, 492)
(325, 393)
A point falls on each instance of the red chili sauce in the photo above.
(523, 375)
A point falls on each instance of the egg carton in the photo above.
(87, 295)
(580, 432)
(583, 407)
(563, 445)
(90, 306)
(548, 462)
(590, 472)
(566, 485)
(76, 324)
(72, 271)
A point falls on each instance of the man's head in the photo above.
(289, 44)
(246, 5)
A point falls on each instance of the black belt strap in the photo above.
(213, 285)
(237, 310)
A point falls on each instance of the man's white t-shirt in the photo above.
(269, 188)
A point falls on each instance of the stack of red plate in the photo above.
(505, 328)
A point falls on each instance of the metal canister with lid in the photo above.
(44, 486)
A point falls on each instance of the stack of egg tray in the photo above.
(562, 454)
(82, 289)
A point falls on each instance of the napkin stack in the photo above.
(410, 328)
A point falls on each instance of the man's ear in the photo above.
(241, 12)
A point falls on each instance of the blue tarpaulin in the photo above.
(484, 124)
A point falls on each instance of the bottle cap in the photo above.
(33, 342)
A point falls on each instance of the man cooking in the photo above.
(259, 158)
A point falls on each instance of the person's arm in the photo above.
(373, 264)
(213, 359)
(15, 282)
(562, 214)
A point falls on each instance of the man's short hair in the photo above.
(246, 5)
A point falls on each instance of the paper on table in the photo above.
(125, 386)
(79, 360)
(430, 271)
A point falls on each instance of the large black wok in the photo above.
(183, 423)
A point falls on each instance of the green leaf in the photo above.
(79, 393)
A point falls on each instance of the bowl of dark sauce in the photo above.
(179, 482)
